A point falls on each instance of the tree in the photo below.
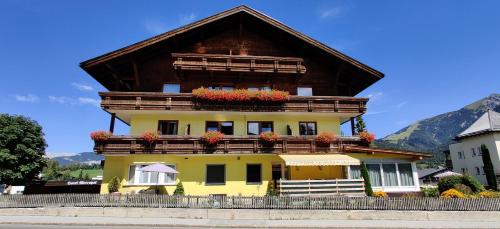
(360, 124)
(86, 176)
(114, 184)
(22, 149)
(488, 168)
(80, 175)
(366, 178)
(179, 189)
(52, 170)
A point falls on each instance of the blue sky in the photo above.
(437, 55)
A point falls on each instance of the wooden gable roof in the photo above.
(370, 75)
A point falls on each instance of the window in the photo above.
(307, 128)
(255, 128)
(355, 171)
(460, 156)
(304, 91)
(263, 88)
(254, 173)
(223, 127)
(374, 173)
(216, 174)
(221, 87)
(166, 127)
(406, 174)
(172, 88)
(473, 152)
(478, 171)
(138, 177)
(390, 176)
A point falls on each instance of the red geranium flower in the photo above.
(100, 135)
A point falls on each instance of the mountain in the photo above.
(434, 134)
(81, 158)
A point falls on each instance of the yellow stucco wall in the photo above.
(141, 123)
(316, 172)
(192, 173)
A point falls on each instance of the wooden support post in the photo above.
(353, 131)
(112, 123)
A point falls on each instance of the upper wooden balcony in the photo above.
(186, 102)
(238, 63)
(167, 144)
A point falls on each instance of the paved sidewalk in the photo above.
(171, 222)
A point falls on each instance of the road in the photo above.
(26, 226)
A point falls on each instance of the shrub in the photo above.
(449, 182)
(474, 184)
(269, 137)
(100, 135)
(380, 194)
(149, 136)
(463, 189)
(489, 194)
(114, 184)
(179, 189)
(366, 136)
(325, 138)
(212, 137)
(452, 193)
(366, 178)
(430, 191)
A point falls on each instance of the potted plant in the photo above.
(366, 137)
(149, 138)
(239, 95)
(212, 138)
(100, 135)
(268, 138)
(325, 138)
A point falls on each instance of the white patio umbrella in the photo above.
(447, 174)
(159, 168)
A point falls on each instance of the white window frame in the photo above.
(399, 187)
(161, 177)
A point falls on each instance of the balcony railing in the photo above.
(186, 102)
(230, 145)
(238, 63)
(350, 187)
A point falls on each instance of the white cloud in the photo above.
(401, 104)
(29, 98)
(330, 12)
(375, 96)
(375, 112)
(155, 27)
(187, 18)
(89, 101)
(82, 87)
(73, 101)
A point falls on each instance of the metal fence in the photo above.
(240, 202)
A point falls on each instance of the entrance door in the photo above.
(276, 174)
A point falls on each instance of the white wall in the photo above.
(470, 162)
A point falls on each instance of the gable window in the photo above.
(304, 91)
(172, 88)
(254, 173)
(256, 88)
(221, 87)
(168, 127)
(256, 128)
(307, 128)
(216, 174)
(138, 177)
(225, 127)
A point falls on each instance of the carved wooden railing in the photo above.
(186, 102)
(230, 145)
(238, 63)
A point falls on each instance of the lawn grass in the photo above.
(91, 172)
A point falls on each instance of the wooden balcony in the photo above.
(349, 187)
(186, 102)
(238, 63)
(122, 145)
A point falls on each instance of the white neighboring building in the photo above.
(466, 155)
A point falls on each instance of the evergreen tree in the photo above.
(80, 175)
(179, 189)
(86, 177)
(366, 178)
(488, 168)
(360, 124)
(114, 184)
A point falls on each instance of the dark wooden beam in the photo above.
(112, 123)
(353, 131)
(116, 77)
(136, 74)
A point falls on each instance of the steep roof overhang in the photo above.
(102, 60)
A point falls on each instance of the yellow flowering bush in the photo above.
(380, 194)
(452, 193)
(489, 194)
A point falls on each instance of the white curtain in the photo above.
(374, 173)
(406, 174)
(390, 176)
(355, 172)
